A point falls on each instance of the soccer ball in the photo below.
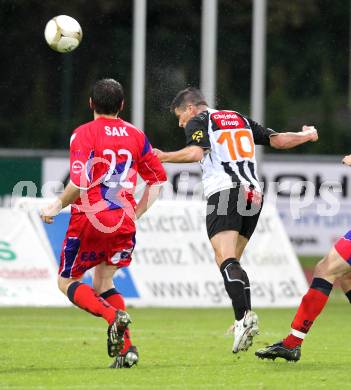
(63, 33)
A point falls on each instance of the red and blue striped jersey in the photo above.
(106, 156)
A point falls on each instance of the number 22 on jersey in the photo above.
(238, 143)
(110, 179)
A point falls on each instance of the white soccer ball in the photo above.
(63, 33)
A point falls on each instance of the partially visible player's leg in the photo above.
(345, 283)
(119, 256)
(333, 266)
(103, 284)
(223, 224)
(79, 253)
(83, 248)
(241, 243)
(86, 298)
(239, 249)
(330, 268)
(223, 244)
(235, 279)
(249, 221)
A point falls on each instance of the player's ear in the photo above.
(91, 104)
(122, 106)
(193, 109)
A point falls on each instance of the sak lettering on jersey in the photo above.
(116, 131)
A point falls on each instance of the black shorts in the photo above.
(235, 209)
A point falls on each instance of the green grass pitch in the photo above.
(46, 348)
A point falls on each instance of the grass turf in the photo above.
(44, 348)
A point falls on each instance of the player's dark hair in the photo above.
(107, 96)
(187, 96)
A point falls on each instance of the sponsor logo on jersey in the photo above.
(123, 255)
(228, 120)
(197, 135)
(77, 166)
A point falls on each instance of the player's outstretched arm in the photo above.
(151, 193)
(290, 140)
(186, 155)
(69, 196)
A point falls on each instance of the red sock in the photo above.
(292, 341)
(116, 300)
(87, 299)
(310, 307)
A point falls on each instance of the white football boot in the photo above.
(244, 331)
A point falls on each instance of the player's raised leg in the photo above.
(333, 266)
(83, 296)
(86, 298)
(234, 277)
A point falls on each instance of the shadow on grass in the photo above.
(43, 370)
(301, 366)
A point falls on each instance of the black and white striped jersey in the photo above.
(229, 139)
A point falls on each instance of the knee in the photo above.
(218, 256)
(232, 270)
(324, 268)
(222, 255)
(102, 285)
(331, 267)
(63, 284)
(321, 266)
(97, 285)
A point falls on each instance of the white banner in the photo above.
(314, 216)
(173, 263)
(27, 273)
(313, 234)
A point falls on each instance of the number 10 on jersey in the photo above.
(239, 143)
